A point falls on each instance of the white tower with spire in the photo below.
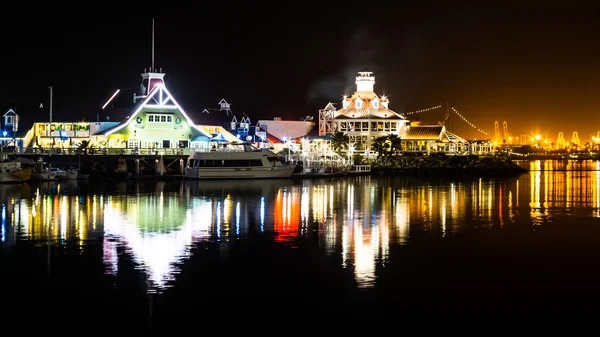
(365, 81)
(150, 77)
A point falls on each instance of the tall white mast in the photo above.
(50, 104)
(152, 70)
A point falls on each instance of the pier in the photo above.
(112, 162)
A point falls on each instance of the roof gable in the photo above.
(424, 132)
(10, 112)
(159, 98)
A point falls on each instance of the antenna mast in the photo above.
(152, 70)
(50, 104)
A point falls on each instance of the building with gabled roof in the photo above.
(157, 121)
(363, 116)
(433, 138)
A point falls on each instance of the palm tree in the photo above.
(395, 143)
(83, 146)
(339, 142)
(380, 145)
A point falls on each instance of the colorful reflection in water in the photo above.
(360, 220)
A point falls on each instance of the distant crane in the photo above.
(506, 135)
(497, 135)
(575, 138)
(561, 143)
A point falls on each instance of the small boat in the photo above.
(69, 174)
(237, 160)
(39, 169)
(14, 172)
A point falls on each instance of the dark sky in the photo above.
(538, 68)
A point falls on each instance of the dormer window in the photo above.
(375, 104)
(359, 104)
(345, 104)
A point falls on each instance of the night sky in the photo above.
(538, 68)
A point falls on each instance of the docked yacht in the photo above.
(70, 174)
(236, 161)
(13, 172)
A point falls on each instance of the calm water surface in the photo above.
(147, 256)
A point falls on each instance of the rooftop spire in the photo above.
(152, 69)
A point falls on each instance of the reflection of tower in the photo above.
(575, 138)
(561, 143)
(326, 117)
(497, 136)
(505, 129)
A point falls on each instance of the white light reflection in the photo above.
(402, 220)
(218, 220)
(262, 214)
(304, 210)
(155, 248)
(25, 219)
(237, 219)
(64, 218)
(3, 238)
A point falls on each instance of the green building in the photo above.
(156, 122)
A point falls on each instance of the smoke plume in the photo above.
(360, 52)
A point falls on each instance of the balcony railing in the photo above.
(102, 151)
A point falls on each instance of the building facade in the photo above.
(156, 122)
(363, 116)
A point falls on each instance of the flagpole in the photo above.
(50, 104)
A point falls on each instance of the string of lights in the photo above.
(453, 110)
(423, 110)
(468, 122)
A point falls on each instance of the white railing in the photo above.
(102, 151)
(361, 168)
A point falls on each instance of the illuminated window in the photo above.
(160, 118)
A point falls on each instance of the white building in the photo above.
(363, 116)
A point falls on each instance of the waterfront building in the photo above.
(363, 116)
(433, 138)
(10, 127)
(156, 122)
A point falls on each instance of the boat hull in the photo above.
(43, 176)
(67, 175)
(277, 172)
(15, 177)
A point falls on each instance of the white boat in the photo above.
(65, 174)
(12, 172)
(39, 169)
(236, 161)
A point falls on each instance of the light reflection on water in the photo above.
(358, 219)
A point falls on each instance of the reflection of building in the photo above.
(158, 230)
